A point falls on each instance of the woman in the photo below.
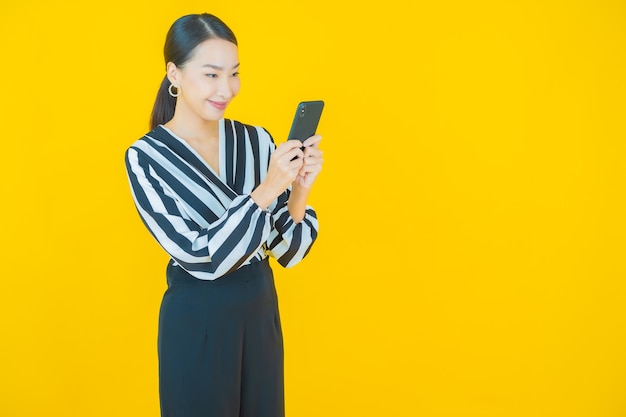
(220, 198)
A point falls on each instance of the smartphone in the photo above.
(306, 119)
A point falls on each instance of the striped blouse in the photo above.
(208, 223)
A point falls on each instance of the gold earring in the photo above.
(169, 90)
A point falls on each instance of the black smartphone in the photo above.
(306, 119)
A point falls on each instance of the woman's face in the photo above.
(209, 80)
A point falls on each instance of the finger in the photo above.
(313, 168)
(312, 152)
(312, 141)
(295, 153)
(312, 161)
(307, 178)
(288, 146)
(292, 143)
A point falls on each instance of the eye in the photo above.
(211, 75)
(236, 74)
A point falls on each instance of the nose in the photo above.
(225, 90)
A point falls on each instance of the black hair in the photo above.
(184, 36)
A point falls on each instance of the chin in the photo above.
(211, 115)
(214, 117)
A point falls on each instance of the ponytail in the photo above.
(164, 106)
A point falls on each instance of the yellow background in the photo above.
(471, 255)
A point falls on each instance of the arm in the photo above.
(206, 252)
(284, 166)
(290, 241)
(295, 223)
(301, 187)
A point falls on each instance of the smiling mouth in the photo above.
(218, 104)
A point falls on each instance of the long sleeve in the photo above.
(205, 219)
(289, 242)
(165, 203)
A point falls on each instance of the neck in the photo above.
(193, 128)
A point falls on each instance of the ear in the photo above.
(173, 73)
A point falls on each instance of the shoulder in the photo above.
(155, 139)
(144, 146)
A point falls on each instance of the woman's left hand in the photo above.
(311, 164)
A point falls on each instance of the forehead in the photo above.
(215, 52)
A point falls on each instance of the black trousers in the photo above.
(220, 345)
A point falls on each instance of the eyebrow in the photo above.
(217, 67)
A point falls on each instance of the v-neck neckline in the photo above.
(221, 160)
(181, 148)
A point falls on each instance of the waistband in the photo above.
(177, 275)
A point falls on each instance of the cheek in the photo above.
(235, 86)
(197, 87)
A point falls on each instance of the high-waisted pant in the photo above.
(220, 345)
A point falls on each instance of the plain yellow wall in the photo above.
(471, 254)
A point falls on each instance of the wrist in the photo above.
(300, 190)
(262, 196)
(299, 195)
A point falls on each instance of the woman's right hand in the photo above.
(285, 163)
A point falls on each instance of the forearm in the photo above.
(297, 202)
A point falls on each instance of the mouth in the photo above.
(220, 105)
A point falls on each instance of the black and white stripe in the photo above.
(208, 223)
